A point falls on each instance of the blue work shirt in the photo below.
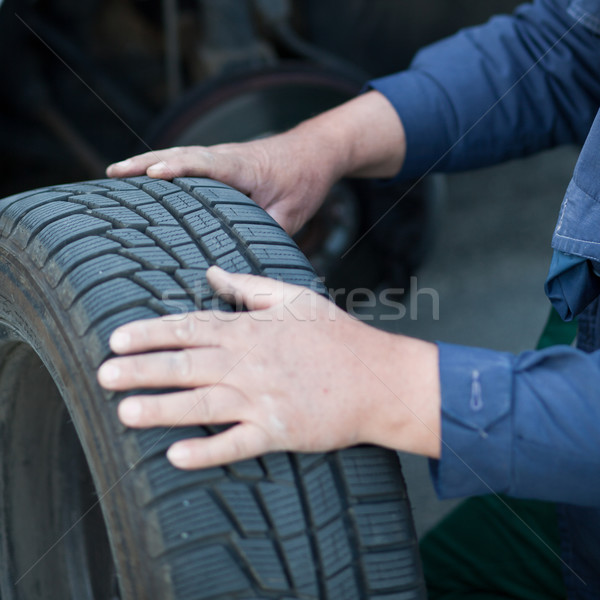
(527, 425)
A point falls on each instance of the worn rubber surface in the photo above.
(78, 260)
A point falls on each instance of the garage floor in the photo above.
(488, 268)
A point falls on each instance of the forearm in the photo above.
(360, 138)
(403, 411)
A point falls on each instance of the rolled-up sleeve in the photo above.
(516, 85)
(525, 425)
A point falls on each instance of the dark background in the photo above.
(83, 81)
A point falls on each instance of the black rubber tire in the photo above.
(78, 260)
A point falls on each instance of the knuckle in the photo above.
(185, 331)
(181, 365)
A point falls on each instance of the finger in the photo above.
(136, 165)
(239, 442)
(166, 164)
(196, 329)
(182, 369)
(214, 405)
(252, 291)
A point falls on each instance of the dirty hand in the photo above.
(290, 174)
(295, 373)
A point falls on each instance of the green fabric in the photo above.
(557, 331)
(495, 547)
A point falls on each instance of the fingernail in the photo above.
(109, 373)
(120, 341)
(179, 455)
(130, 411)
(123, 163)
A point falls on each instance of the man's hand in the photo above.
(279, 173)
(290, 174)
(295, 373)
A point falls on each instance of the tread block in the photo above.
(383, 524)
(139, 180)
(265, 561)
(63, 231)
(131, 198)
(16, 210)
(113, 184)
(242, 506)
(263, 234)
(222, 576)
(306, 462)
(334, 548)
(234, 262)
(94, 200)
(104, 299)
(283, 507)
(120, 216)
(247, 469)
(76, 253)
(323, 495)
(79, 188)
(161, 474)
(368, 473)
(190, 257)
(152, 257)
(385, 571)
(191, 517)
(228, 195)
(168, 236)
(300, 561)
(157, 214)
(276, 256)
(218, 243)
(244, 213)
(93, 272)
(161, 284)
(278, 467)
(191, 183)
(201, 222)
(39, 217)
(158, 188)
(130, 238)
(194, 282)
(180, 203)
(342, 585)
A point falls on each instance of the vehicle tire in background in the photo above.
(90, 509)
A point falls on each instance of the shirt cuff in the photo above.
(477, 390)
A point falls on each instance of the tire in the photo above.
(92, 510)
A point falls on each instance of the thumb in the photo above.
(253, 291)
